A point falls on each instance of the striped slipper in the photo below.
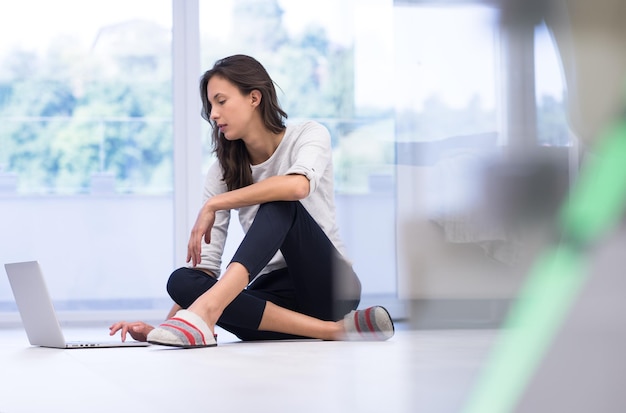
(185, 330)
(373, 324)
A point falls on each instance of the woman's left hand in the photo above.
(138, 330)
(201, 229)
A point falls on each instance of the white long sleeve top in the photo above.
(305, 149)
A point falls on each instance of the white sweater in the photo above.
(305, 149)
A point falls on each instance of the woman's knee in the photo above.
(185, 285)
(276, 209)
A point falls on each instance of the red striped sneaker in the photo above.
(185, 330)
(373, 324)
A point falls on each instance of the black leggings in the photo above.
(317, 281)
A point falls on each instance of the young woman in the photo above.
(290, 276)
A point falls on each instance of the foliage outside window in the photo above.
(70, 114)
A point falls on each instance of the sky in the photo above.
(21, 27)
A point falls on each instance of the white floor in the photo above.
(416, 371)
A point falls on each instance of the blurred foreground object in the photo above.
(562, 348)
(557, 286)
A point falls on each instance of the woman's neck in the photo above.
(262, 146)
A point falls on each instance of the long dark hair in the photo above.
(247, 74)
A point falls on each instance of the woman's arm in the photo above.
(211, 256)
(276, 188)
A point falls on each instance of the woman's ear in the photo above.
(255, 97)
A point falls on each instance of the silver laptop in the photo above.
(37, 312)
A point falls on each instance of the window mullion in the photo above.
(187, 132)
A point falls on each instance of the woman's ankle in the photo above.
(338, 331)
(207, 313)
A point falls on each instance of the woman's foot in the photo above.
(186, 330)
(370, 324)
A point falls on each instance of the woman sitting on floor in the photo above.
(290, 276)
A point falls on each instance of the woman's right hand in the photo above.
(201, 229)
(138, 330)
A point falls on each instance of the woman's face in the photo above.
(231, 111)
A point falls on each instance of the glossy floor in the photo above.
(415, 371)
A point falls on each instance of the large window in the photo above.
(474, 95)
(89, 145)
(334, 66)
(86, 148)
(100, 136)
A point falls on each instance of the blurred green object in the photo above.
(597, 202)
(595, 206)
(553, 283)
